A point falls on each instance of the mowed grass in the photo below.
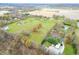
(69, 50)
(29, 23)
(41, 34)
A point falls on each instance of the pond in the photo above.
(66, 27)
(78, 24)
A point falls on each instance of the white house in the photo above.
(56, 50)
(5, 28)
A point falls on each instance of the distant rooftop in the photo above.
(3, 12)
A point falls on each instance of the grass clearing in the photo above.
(69, 50)
(31, 22)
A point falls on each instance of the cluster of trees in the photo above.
(36, 28)
(57, 17)
(5, 19)
(10, 18)
(17, 44)
(72, 23)
(70, 35)
(71, 30)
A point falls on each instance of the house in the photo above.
(56, 50)
(5, 28)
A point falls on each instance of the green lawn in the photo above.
(69, 50)
(31, 22)
(28, 25)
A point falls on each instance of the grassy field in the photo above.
(31, 22)
(69, 50)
